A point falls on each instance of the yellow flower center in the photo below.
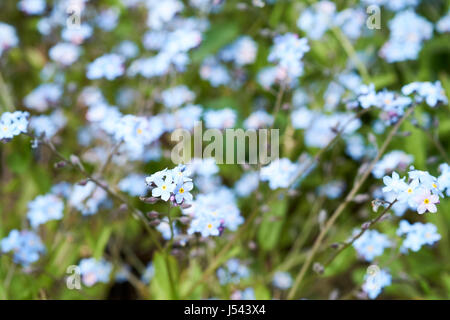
(164, 187)
(426, 201)
(409, 190)
(181, 190)
(139, 131)
(434, 185)
(210, 226)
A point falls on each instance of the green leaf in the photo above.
(272, 224)
(193, 274)
(161, 286)
(218, 36)
(261, 292)
(102, 241)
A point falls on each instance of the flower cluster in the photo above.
(109, 66)
(371, 244)
(233, 272)
(375, 282)
(214, 211)
(45, 208)
(13, 124)
(173, 185)
(408, 31)
(287, 52)
(421, 192)
(26, 246)
(417, 235)
(93, 271)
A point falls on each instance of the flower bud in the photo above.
(150, 200)
(153, 214)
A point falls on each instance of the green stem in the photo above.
(6, 96)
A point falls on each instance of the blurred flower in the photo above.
(44, 208)
(282, 280)
(32, 7)
(316, 19)
(220, 119)
(408, 31)
(8, 37)
(431, 93)
(148, 274)
(25, 245)
(279, 173)
(44, 96)
(233, 272)
(371, 244)
(109, 66)
(133, 184)
(242, 51)
(248, 183)
(93, 271)
(375, 282)
(177, 96)
(65, 53)
(417, 235)
(287, 51)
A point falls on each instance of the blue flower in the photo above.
(443, 25)
(13, 124)
(394, 184)
(133, 184)
(44, 96)
(177, 96)
(182, 192)
(77, 35)
(408, 31)
(93, 271)
(164, 187)
(371, 244)
(109, 66)
(148, 274)
(45, 208)
(108, 19)
(279, 173)
(65, 53)
(375, 282)
(417, 235)
(32, 7)
(287, 52)
(8, 37)
(282, 280)
(316, 19)
(25, 245)
(87, 198)
(431, 93)
(242, 51)
(233, 272)
(213, 211)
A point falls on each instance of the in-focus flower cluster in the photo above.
(421, 192)
(173, 185)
